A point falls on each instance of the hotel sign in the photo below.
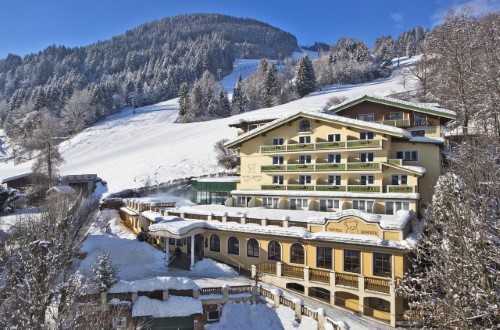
(353, 225)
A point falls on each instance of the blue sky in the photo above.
(28, 26)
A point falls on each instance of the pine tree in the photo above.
(238, 100)
(270, 88)
(305, 78)
(183, 99)
(105, 273)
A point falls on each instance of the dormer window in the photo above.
(366, 117)
(396, 115)
(333, 137)
(252, 126)
(420, 120)
(304, 126)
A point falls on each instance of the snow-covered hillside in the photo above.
(132, 150)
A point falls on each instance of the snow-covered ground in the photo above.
(250, 316)
(133, 150)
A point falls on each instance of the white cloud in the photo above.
(397, 18)
(478, 7)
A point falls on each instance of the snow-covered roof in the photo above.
(220, 179)
(428, 139)
(407, 243)
(61, 190)
(128, 211)
(386, 129)
(174, 306)
(419, 170)
(328, 193)
(252, 119)
(387, 222)
(415, 106)
(14, 177)
(153, 284)
(153, 216)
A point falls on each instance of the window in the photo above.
(305, 159)
(420, 120)
(379, 304)
(382, 264)
(366, 180)
(352, 261)
(278, 141)
(252, 248)
(215, 243)
(304, 179)
(420, 132)
(333, 137)
(304, 126)
(304, 139)
(366, 136)
(243, 200)
(366, 157)
(270, 202)
(334, 180)
(363, 205)
(233, 245)
(410, 155)
(297, 253)
(394, 207)
(278, 160)
(252, 126)
(278, 179)
(324, 257)
(367, 117)
(274, 251)
(328, 204)
(213, 315)
(395, 115)
(298, 203)
(334, 158)
(399, 179)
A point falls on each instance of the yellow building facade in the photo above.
(327, 204)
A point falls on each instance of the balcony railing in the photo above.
(351, 144)
(319, 275)
(401, 189)
(330, 167)
(395, 161)
(322, 167)
(363, 166)
(377, 284)
(300, 168)
(364, 189)
(396, 122)
(300, 187)
(346, 280)
(293, 271)
(330, 188)
(273, 187)
(380, 285)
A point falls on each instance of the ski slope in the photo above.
(146, 148)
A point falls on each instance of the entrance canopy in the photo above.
(175, 227)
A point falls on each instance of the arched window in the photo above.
(215, 243)
(304, 126)
(252, 248)
(274, 251)
(233, 245)
(297, 253)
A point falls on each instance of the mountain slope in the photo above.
(133, 150)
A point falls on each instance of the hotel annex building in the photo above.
(327, 203)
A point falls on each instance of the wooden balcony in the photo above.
(396, 122)
(292, 271)
(400, 189)
(346, 280)
(322, 146)
(330, 188)
(377, 284)
(398, 162)
(267, 268)
(319, 275)
(364, 189)
(322, 167)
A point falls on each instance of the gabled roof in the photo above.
(414, 106)
(332, 118)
